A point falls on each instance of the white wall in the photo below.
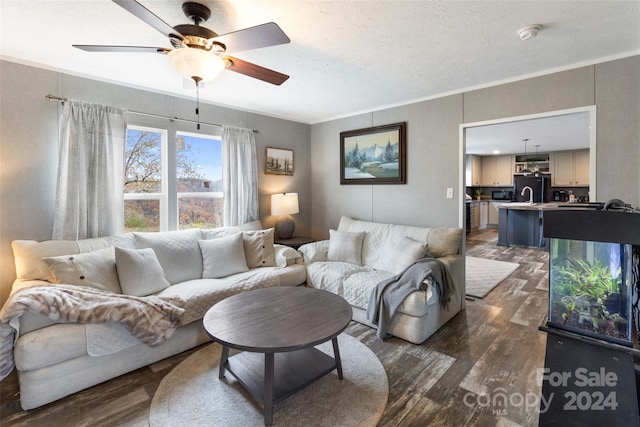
(29, 143)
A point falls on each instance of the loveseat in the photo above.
(57, 358)
(361, 254)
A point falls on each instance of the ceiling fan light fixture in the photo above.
(196, 64)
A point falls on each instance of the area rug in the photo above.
(192, 395)
(482, 275)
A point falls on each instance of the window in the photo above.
(173, 180)
(199, 181)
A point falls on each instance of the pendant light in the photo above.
(526, 170)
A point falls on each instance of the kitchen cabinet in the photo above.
(494, 214)
(571, 168)
(521, 227)
(497, 171)
(474, 211)
(473, 176)
(484, 214)
(479, 215)
(534, 162)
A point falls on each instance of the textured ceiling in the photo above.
(345, 57)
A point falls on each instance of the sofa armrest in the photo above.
(20, 284)
(455, 264)
(315, 251)
(286, 256)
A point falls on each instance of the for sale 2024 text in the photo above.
(594, 397)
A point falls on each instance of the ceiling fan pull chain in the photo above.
(197, 80)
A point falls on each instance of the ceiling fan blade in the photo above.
(149, 17)
(255, 71)
(269, 34)
(135, 49)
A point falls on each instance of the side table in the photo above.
(295, 242)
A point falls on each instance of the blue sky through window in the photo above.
(206, 155)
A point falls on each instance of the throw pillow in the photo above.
(177, 251)
(345, 246)
(401, 255)
(444, 241)
(223, 256)
(28, 256)
(96, 269)
(139, 272)
(258, 248)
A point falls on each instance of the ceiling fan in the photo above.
(199, 53)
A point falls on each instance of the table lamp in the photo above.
(284, 205)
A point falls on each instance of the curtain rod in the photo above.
(63, 100)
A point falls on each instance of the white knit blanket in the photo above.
(151, 320)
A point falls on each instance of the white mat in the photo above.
(485, 274)
(192, 395)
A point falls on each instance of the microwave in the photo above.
(501, 195)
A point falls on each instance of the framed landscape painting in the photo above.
(375, 155)
(279, 161)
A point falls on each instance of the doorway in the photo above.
(509, 132)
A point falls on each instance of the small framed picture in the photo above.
(279, 161)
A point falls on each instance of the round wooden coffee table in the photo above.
(284, 324)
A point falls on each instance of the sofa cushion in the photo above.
(28, 256)
(443, 241)
(199, 295)
(258, 248)
(345, 247)
(178, 252)
(359, 285)
(139, 272)
(49, 346)
(223, 256)
(398, 256)
(96, 269)
(329, 275)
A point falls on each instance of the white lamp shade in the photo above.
(194, 62)
(284, 204)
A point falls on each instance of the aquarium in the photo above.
(590, 285)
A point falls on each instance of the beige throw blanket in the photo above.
(152, 320)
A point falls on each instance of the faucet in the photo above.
(530, 194)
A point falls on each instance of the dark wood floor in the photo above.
(491, 350)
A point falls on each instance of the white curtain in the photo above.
(239, 176)
(89, 192)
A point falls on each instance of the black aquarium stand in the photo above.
(587, 382)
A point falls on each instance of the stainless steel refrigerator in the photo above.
(541, 186)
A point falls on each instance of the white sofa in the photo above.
(384, 252)
(53, 359)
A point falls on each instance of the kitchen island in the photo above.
(520, 224)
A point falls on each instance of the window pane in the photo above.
(143, 172)
(199, 170)
(198, 212)
(142, 215)
(199, 164)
